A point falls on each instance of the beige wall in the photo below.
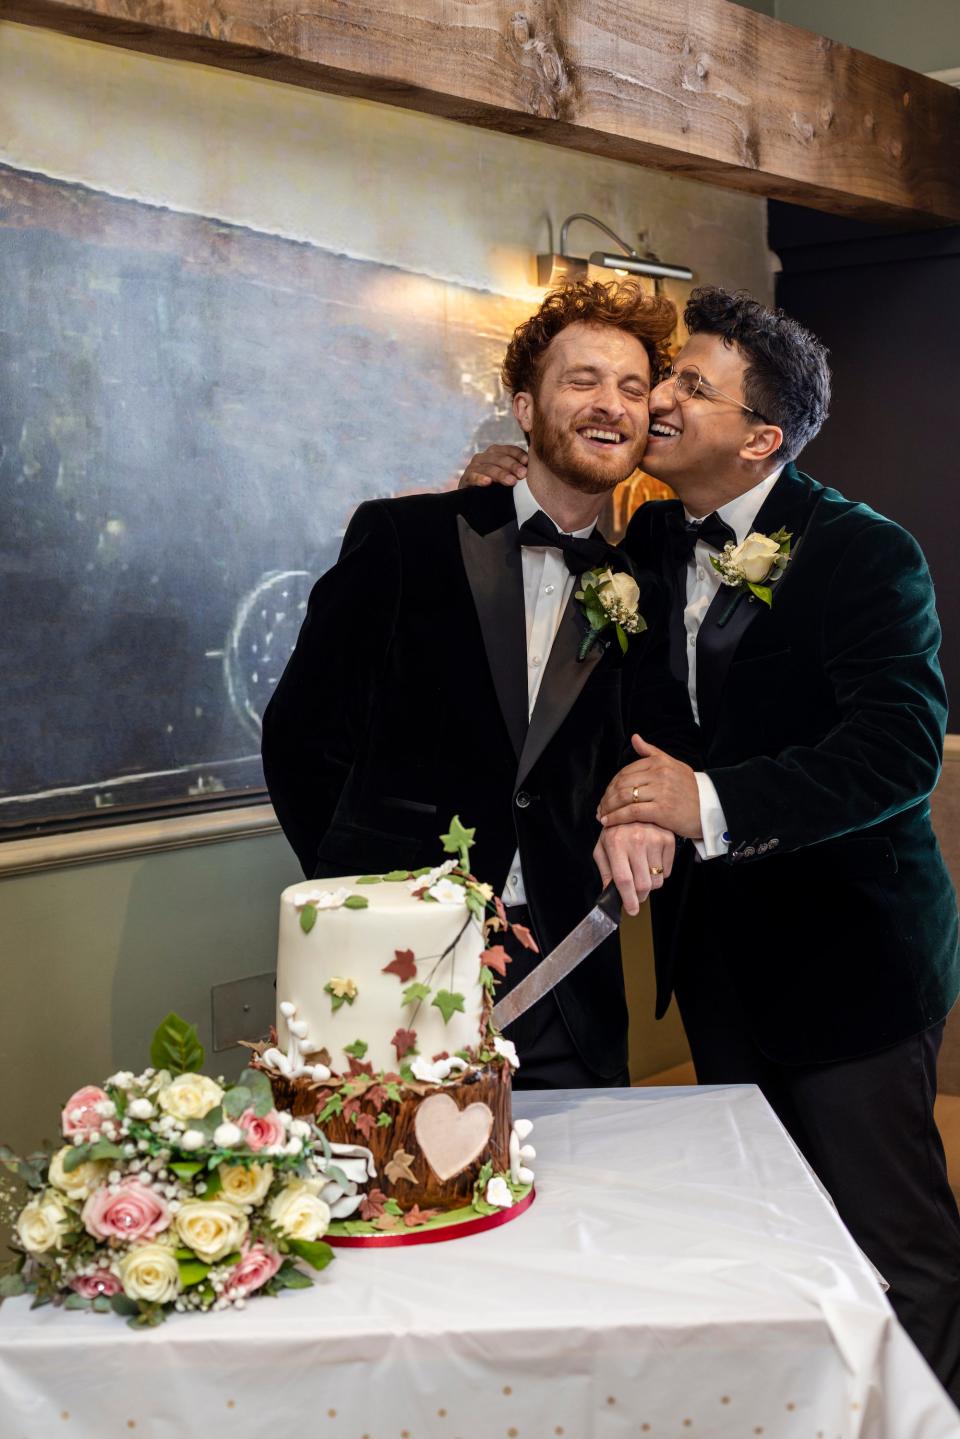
(93, 956)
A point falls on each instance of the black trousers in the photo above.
(866, 1127)
(548, 1056)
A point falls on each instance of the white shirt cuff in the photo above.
(713, 825)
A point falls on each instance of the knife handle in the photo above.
(610, 902)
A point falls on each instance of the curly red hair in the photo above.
(623, 305)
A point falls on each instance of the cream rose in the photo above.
(150, 1271)
(246, 1183)
(211, 1227)
(190, 1096)
(623, 588)
(754, 556)
(41, 1224)
(299, 1213)
(80, 1182)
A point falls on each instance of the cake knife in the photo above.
(582, 940)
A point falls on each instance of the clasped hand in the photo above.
(655, 789)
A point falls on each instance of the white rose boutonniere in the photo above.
(609, 597)
(755, 564)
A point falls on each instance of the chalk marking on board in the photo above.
(124, 779)
(252, 619)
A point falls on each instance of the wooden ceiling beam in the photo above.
(700, 88)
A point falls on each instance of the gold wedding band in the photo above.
(636, 793)
(656, 869)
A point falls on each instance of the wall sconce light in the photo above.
(561, 269)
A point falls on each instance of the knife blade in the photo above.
(582, 940)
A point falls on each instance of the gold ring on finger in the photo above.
(636, 793)
(656, 869)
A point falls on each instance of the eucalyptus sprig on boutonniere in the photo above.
(608, 597)
(754, 565)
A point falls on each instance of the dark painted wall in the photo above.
(888, 306)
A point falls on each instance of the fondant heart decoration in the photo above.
(451, 1138)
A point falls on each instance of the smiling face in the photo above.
(708, 440)
(587, 422)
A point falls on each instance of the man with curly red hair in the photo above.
(446, 666)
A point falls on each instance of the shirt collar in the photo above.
(740, 513)
(527, 507)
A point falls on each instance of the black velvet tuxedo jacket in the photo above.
(405, 702)
(822, 724)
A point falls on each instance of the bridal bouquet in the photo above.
(171, 1191)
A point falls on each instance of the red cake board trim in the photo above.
(432, 1236)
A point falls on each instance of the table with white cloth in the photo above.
(680, 1274)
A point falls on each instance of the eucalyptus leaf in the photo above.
(77, 1301)
(259, 1086)
(176, 1046)
(101, 1305)
(81, 1153)
(11, 1285)
(290, 1277)
(236, 1101)
(331, 1171)
(121, 1304)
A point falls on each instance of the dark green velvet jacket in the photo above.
(822, 725)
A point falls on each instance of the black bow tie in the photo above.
(589, 554)
(684, 534)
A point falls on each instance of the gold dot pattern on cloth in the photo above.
(791, 1405)
(231, 1403)
(725, 1399)
(512, 1433)
(507, 1389)
(611, 1399)
(131, 1423)
(65, 1414)
(331, 1413)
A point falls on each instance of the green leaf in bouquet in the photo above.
(621, 638)
(236, 1101)
(259, 1086)
(762, 592)
(214, 1183)
(121, 1304)
(101, 1304)
(11, 1285)
(308, 917)
(192, 1271)
(80, 1153)
(313, 1251)
(77, 1301)
(186, 1168)
(356, 901)
(288, 1276)
(176, 1046)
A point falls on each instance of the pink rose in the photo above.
(129, 1212)
(261, 1130)
(257, 1264)
(80, 1114)
(91, 1286)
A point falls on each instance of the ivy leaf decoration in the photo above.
(176, 1046)
(404, 1042)
(334, 1105)
(448, 1003)
(341, 991)
(308, 917)
(403, 965)
(496, 958)
(459, 840)
(384, 1120)
(395, 876)
(523, 934)
(416, 992)
(356, 901)
(357, 1049)
(368, 879)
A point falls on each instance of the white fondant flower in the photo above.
(446, 892)
(507, 1050)
(320, 898)
(425, 881)
(498, 1193)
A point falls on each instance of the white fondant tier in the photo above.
(355, 945)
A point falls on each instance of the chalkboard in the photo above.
(189, 414)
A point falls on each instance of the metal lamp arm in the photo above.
(627, 250)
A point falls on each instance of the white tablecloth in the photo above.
(680, 1274)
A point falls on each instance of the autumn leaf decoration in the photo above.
(404, 1042)
(403, 965)
(496, 958)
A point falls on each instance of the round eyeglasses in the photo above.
(688, 382)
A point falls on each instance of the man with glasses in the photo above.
(810, 929)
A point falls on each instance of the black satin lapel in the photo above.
(730, 615)
(563, 679)
(495, 574)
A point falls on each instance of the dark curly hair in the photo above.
(650, 318)
(787, 379)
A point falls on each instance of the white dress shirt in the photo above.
(547, 586)
(703, 582)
